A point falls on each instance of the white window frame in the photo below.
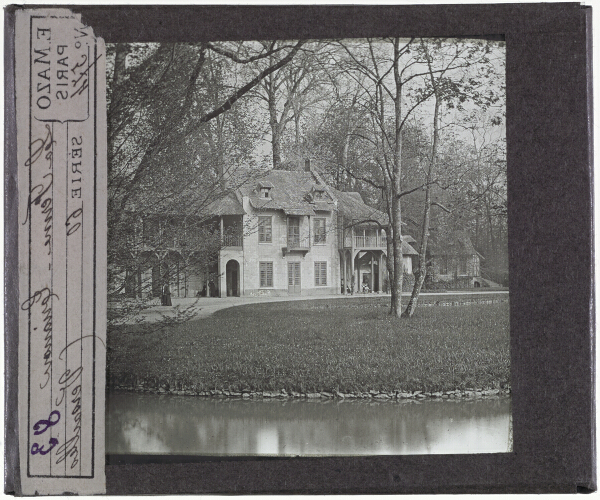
(267, 264)
(324, 219)
(270, 219)
(320, 268)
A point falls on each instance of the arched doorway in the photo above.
(232, 273)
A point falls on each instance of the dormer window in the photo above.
(264, 190)
(318, 193)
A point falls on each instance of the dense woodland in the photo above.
(417, 126)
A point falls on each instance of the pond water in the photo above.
(187, 425)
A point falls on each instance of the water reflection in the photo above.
(152, 424)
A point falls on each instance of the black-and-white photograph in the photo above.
(308, 248)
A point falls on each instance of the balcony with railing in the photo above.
(232, 231)
(232, 240)
(364, 239)
(296, 244)
(370, 241)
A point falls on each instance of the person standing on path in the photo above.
(166, 295)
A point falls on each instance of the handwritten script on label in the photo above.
(61, 155)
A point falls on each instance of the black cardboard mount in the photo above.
(549, 110)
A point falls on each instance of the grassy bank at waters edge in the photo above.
(341, 345)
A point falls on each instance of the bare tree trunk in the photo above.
(396, 222)
(276, 152)
(344, 168)
(490, 222)
(477, 228)
(396, 308)
(275, 131)
(422, 259)
(390, 265)
(297, 129)
(220, 166)
(389, 261)
(422, 270)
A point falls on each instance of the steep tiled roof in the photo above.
(191, 201)
(288, 192)
(456, 243)
(322, 206)
(406, 248)
(229, 205)
(352, 206)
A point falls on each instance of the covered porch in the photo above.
(363, 271)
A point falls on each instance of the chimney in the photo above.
(307, 165)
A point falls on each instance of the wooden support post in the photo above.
(352, 280)
(345, 292)
(381, 279)
(372, 273)
(207, 282)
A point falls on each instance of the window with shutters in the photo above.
(265, 230)
(266, 274)
(320, 234)
(320, 273)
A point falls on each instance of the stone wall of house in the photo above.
(255, 252)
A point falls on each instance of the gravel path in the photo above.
(193, 308)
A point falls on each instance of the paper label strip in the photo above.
(60, 82)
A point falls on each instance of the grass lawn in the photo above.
(348, 345)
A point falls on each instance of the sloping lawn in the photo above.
(348, 345)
